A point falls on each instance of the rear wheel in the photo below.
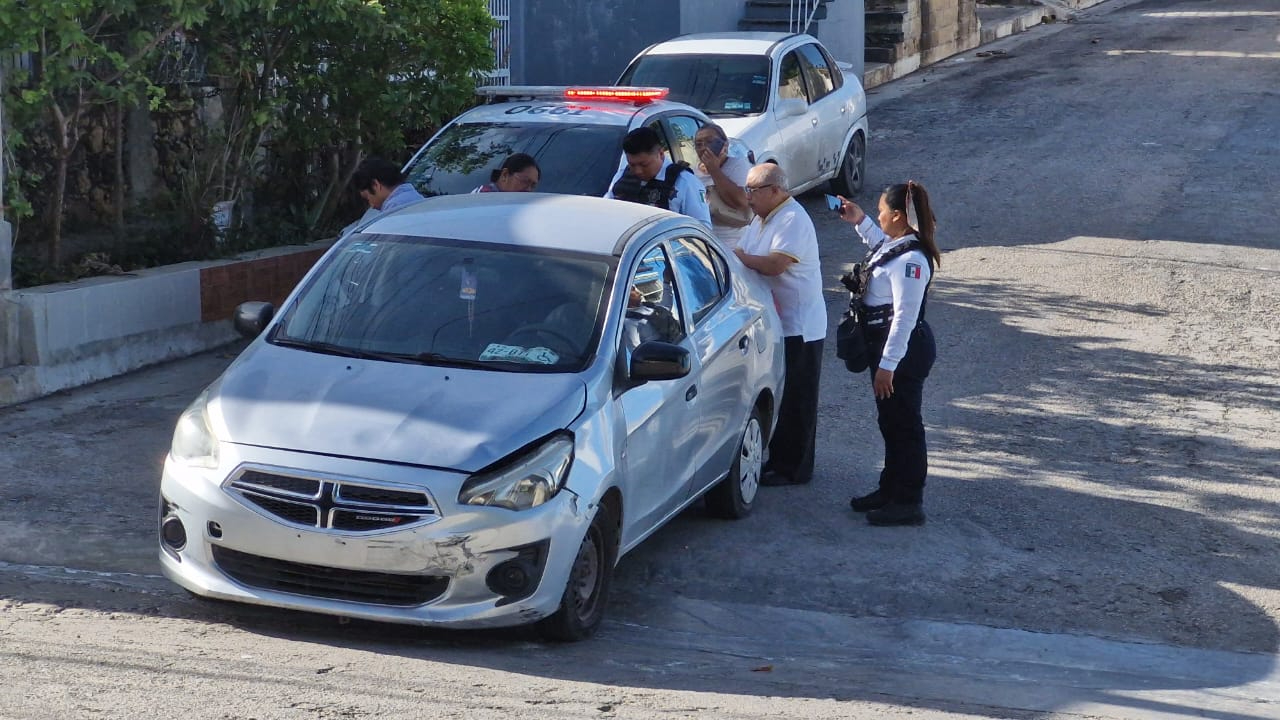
(853, 169)
(587, 592)
(733, 497)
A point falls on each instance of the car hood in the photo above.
(454, 418)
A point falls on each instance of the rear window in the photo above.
(718, 85)
(575, 159)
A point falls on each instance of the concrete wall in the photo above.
(946, 28)
(560, 42)
(843, 32)
(60, 336)
(697, 16)
(571, 41)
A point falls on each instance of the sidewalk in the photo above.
(996, 19)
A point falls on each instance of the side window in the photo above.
(790, 78)
(837, 75)
(653, 304)
(683, 128)
(816, 71)
(657, 126)
(702, 272)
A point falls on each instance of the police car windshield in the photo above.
(718, 85)
(575, 158)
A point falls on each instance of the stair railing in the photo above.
(801, 14)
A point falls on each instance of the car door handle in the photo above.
(743, 343)
(691, 393)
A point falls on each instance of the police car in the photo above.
(575, 133)
(781, 94)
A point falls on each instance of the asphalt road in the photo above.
(1104, 425)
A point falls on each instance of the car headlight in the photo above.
(193, 440)
(527, 481)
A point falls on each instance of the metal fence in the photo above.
(500, 40)
(801, 14)
(15, 61)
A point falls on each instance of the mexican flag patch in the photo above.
(913, 271)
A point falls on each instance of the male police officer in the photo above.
(650, 178)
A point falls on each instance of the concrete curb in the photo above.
(1029, 19)
(61, 336)
(1038, 12)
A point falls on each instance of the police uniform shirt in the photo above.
(690, 196)
(403, 194)
(900, 282)
(797, 291)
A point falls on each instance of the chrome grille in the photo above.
(332, 504)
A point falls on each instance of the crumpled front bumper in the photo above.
(237, 551)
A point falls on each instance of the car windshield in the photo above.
(575, 159)
(451, 303)
(719, 85)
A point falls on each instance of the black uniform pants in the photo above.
(906, 459)
(791, 448)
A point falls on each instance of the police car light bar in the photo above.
(625, 94)
(499, 93)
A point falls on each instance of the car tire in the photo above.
(735, 496)
(587, 591)
(853, 169)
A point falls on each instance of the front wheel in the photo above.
(733, 497)
(853, 169)
(586, 593)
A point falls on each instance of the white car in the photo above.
(781, 94)
(575, 134)
(463, 417)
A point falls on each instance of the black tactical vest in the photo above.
(656, 192)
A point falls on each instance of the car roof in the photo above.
(729, 43)
(588, 112)
(537, 220)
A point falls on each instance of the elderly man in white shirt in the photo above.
(650, 178)
(782, 245)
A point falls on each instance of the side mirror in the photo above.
(656, 360)
(791, 107)
(251, 318)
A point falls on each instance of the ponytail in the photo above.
(912, 200)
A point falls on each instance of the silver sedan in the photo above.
(470, 409)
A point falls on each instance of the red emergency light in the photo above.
(624, 94)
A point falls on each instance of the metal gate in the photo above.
(500, 40)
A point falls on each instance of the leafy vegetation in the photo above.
(292, 94)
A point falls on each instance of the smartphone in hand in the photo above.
(834, 204)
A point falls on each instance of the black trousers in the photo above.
(791, 448)
(906, 458)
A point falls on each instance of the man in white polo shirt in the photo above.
(781, 244)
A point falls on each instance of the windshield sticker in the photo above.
(759, 80)
(468, 290)
(539, 355)
(363, 246)
(737, 105)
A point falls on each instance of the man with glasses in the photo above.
(782, 245)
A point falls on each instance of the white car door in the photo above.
(659, 416)
(832, 109)
(797, 122)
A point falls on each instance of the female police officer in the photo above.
(897, 274)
